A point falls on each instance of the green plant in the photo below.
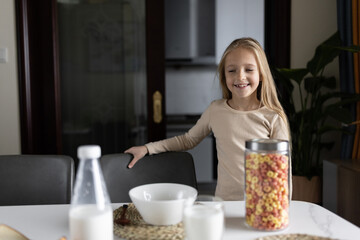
(318, 101)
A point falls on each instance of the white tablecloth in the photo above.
(50, 222)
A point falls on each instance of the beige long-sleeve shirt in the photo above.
(231, 129)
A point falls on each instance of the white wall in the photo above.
(9, 96)
(312, 22)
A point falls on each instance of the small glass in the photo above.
(267, 184)
(204, 219)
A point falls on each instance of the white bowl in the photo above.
(162, 203)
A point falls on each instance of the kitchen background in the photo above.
(191, 83)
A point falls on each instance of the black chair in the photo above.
(36, 179)
(168, 167)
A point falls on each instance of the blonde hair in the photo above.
(267, 90)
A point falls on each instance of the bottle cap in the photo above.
(89, 152)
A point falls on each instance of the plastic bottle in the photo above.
(90, 215)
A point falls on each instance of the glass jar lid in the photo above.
(267, 145)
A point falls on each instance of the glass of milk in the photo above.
(90, 215)
(204, 219)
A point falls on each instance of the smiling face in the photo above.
(242, 75)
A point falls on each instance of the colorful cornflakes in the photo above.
(267, 196)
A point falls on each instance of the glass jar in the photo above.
(267, 184)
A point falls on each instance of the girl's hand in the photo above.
(138, 153)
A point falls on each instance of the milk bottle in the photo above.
(90, 215)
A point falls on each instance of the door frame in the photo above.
(155, 65)
(40, 111)
(39, 77)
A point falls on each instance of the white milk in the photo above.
(203, 222)
(89, 223)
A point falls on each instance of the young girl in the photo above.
(249, 109)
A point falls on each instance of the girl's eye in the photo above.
(249, 70)
(232, 71)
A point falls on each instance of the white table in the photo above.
(50, 222)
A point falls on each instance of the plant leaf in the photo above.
(297, 74)
(328, 128)
(324, 54)
(284, 81)
(329, 82)
(343, 98)
(312, 84)
(327, 51)
(352, 48)
(339, 113)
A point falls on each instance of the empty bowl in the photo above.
(162, 203)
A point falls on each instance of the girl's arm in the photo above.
(179, 143)
(186, 141)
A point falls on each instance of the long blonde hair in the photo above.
(267, 90)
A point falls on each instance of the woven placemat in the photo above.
(293, 237)
(138, 229)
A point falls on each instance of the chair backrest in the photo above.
(36, 179)
(168, 167)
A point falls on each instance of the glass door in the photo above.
(102, 67)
